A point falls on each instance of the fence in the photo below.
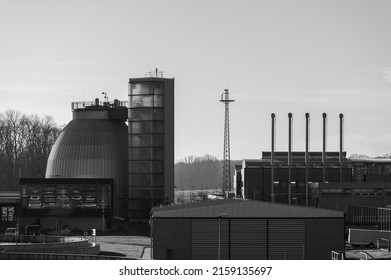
(380, 218)
(54, 256)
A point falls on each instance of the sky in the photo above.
(274, 57)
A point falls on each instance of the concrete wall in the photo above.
(174, 235)
(76, 223)
(44, 244)
(324, 236)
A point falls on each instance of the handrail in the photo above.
(387, 241)
(337, 255)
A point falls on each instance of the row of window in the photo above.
(146, 180)
(378, 170)
(7, 213)
(146, 114)
(156, 193)
(142, 101)
(356, 192)
(102, 190)
(146, 153)
(155, 140)
(146, 167)
(155, 88)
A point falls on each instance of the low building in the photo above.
(71, 203)
(245, 229)
(327, 180)
(9, 206)
(338, 196)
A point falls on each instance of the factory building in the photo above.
(256, 182)
(66, 203)
(93, 145)
(244, 229)
(129, 142)
(325, 179)
(9, 207)
(363, 183)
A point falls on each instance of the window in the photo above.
(146, 88)
(146, 167)
(141, 101)
(332, 192)
(368, 192)
(7, 213)
(146, 141)
(146, 153)
(146, 180)
(146, 127)
(146, 114)
(158, 101)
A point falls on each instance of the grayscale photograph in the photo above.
(195, 130)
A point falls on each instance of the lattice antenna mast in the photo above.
(227, 158)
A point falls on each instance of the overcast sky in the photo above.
(273, 56)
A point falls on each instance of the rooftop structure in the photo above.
(93, 145)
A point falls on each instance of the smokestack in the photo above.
(341, 122)
(324, 147)
(307, 136)
(307, 139)
(290, 158)
(272, 196)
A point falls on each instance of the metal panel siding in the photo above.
(248, 239)
(286, 239)
(235, 208)
(91, 149)
(205, 237)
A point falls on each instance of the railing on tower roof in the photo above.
(154, 74)
(83, 105)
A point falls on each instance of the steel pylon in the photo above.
(226, 184)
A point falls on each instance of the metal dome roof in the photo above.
(88, 149)
(91, 146)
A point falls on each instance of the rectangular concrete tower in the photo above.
(150, 144)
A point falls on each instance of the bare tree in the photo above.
(25, 144)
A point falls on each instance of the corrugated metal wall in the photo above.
(205, 239)
(248, 239)
(286, 239)
(241, 239)
(92, 148)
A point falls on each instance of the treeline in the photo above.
(25, 144)
(200, 173)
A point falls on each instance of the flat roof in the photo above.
(36, 181)
(240, 208)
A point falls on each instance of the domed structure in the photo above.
(94, 145)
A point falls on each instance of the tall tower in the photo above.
(226, 158)
(150, 144)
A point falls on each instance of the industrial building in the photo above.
(130, 143)
(325, 179)
(9, 207)
(363, 183)
(59, 203)
(245, 229)
(150, 144)
(93, 146)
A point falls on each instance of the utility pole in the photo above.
(226, 158)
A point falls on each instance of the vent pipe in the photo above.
(341, 132)
(272, 195)
(307, 136)
(290, 158)
(324, 147)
